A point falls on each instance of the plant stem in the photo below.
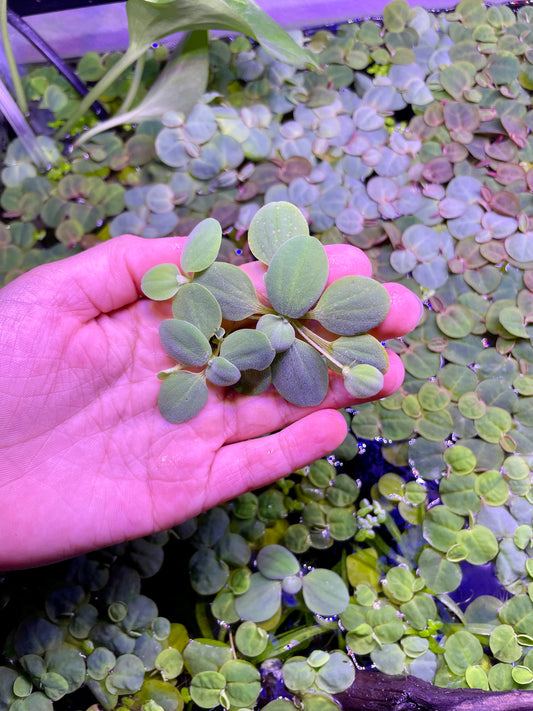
(135, 84)
(318, 344)
(131, 54)
(12, 64)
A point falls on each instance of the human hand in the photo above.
(86, 460)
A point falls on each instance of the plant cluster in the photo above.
(414, 143)
(284, 348)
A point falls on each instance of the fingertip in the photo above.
(404, 315)
(346, 260)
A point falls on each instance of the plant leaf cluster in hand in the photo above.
(222, 333)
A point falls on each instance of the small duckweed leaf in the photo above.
(352, 305)
(389, 659)
(196, 305)
(492, 488)
(261, 601)
(503, 644)
(169, 662)
(395, 15)
(273, 225)
(296, 276)
(160, 282)
(493, 424)
(513, 322)
(276, 562)
(399, 584)
(441, 526)
(337, 674)
(182, 395)
(362, 380)
(128, 675)
(206, 688)
(298, 675)
(480, 543)
(279, 331)
(460, 459)
(248, 349)
(201, 246)
(440, 575)
(462, 650)
(221, 372)
(325, 592)
(457, 493)
(243, 683)
(300, 375)
(232, 288)
(184, 342)
(362, 349)
(250, 639)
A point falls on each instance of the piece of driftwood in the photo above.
(374, 691)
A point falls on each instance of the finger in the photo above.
(257, 416)
(252, 464)
(405, 312)
(107, 276)
(345, 260)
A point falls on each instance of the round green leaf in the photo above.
(261, 601)
(362, 349)
(399, 584)
(184, 342)
(389, 659)
(276, 562)
(206, 688)
(201, 246)
(169, 662)
(492, 488)
(271, 226)
(480, 543)
(248, 349)
(250, 639)
(221, 372)
(462, 650)
(208, 573)
(160, 282)
(232, 288)
(279, 331)
(337, 674)
(440, 575)
(362, 381)
(503, 644)
(441, 526)
(296, 275)
(127, 677)
(195, 304)
(457, 493)
(325, 592)
(352, 305)
(298, 675)
(243, 683)
(182, 395)
(460, 459)
(300, 375)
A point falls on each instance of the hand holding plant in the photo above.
(86, 460)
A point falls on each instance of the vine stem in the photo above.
(12, 64)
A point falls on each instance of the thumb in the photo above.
(103, 278)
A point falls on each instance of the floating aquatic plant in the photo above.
(284, 348)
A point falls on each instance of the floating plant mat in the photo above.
(414, 143)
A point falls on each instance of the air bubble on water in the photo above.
(485, 342)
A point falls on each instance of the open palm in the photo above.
(86, 460)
